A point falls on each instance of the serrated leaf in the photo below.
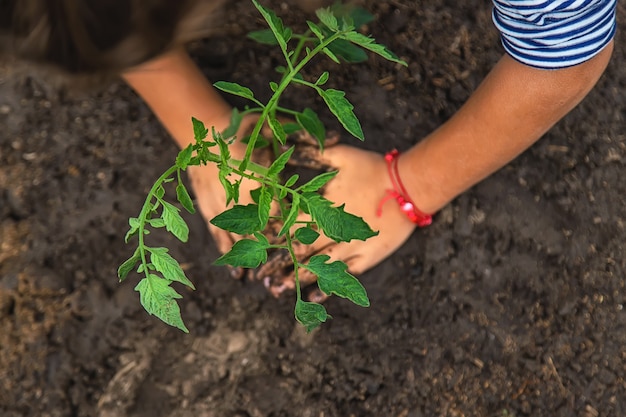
(348, 51)
(279, 164)
(168, 266)
(243, 220)
(277, 129)
(246, 253)
(174, 223)
(234, 89)
(199, 131)
(322, 78)
(318, 182)
(316, 30)
(184, 157)
(371, 45)
(265, 37)
(184, 198)
(294, 210)
(159, 299)
(333, 278)
(310, 315)
(275, 24)
(310, 122)
(128, 265)
(335, 222)
(306, 235)
(327, 17)
(342, 109)
(265, 204)
(233, 127)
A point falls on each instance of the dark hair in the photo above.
(98, 37)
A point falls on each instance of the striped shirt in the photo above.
(554, 34)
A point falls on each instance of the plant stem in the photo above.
(147, 207)
(273, 102)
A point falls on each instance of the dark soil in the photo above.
(511, 304)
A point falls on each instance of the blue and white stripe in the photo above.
(554, 34)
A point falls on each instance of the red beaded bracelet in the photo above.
(400, 195)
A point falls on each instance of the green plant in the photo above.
(335, 36)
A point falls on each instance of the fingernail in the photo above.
(317, 296)
(267, 282)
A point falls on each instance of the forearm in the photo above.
(175, 89)
(513, 107)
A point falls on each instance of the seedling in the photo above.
(334, 36)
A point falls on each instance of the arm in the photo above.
(175, 89)
(510, 110)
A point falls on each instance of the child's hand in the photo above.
(361, 184)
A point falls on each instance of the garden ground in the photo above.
(511, 304)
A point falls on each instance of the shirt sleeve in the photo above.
(554, 34)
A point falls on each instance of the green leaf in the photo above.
(318, 182)
(184, 157)
(342, 109)
(174, 223)
(199, 131)
(156, 223)
(371, 45)
(168, 266)
(310, 315)
(243, 220)
(292, 216)
(330, 54)
(292, 180)
(233, 127)
(291, 128)
(159, 299)
(255, 194)
(323, 78)
(316, 30)
(265, 37)
(333, 278)
(306, 235)
(134, 228)
(128, 265)
(265, 204)
(246, 253)
(279, 164)
(160, 191)
(184, 198)
(335, 222)
(348, 51)
(310, 122)
(229, 189)
(234, 89)
(358, 15)
(327, 17)
(277, 129)
(276, 25)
